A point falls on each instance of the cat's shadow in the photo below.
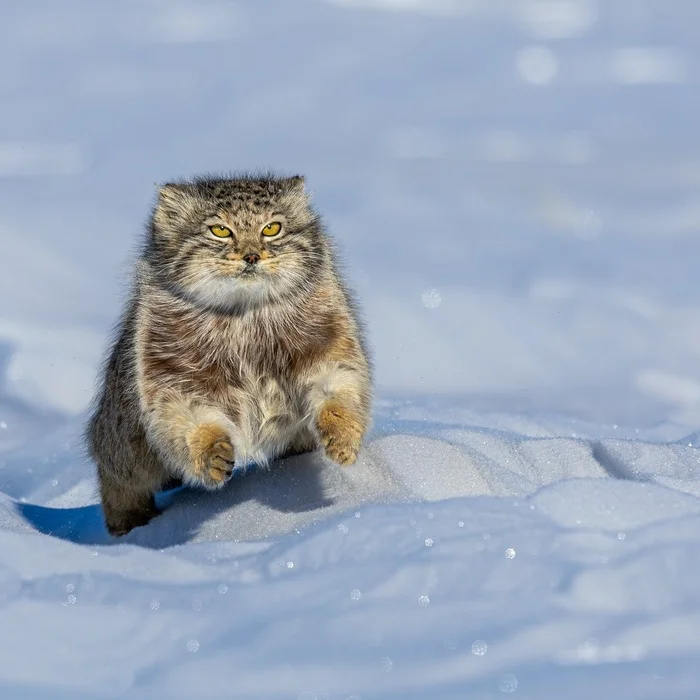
(290, 487)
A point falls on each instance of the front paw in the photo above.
(212, 455)
(340, 432)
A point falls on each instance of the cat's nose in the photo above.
(251, 258)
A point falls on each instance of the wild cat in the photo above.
(239, 342)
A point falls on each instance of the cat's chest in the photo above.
(245, 350)
(216, 355)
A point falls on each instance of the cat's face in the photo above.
(236, 244)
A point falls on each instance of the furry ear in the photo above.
(296, 184)
(171, 194)
(175, 201)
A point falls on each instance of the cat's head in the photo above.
(238, 243)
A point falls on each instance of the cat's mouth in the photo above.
(249, 272)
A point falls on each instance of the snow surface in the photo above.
(515, 189)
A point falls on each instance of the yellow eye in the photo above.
(220, 231)
(272, 229)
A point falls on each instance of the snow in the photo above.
(515, 190)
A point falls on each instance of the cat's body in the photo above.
(239, 342)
